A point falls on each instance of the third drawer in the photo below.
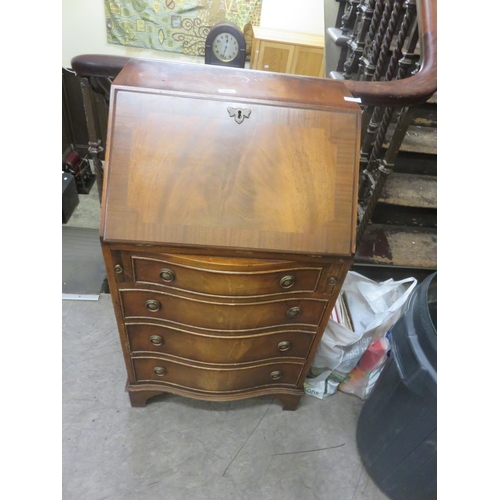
(144, 337)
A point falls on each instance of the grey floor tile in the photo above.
(88, 211)
(66, 307)
(309, 453)
(180, 448)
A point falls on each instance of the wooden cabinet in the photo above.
(228, 226)
(288, 52)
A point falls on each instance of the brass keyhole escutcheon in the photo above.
(152, 305)
(159, 370)
(287, 282)
(276, 375)
(294, 312)
(239, 114)
(118, 269)
(167, 275)
(284, 346)
(156, 340)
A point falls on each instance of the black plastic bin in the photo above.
(70, 197)
(397, 428)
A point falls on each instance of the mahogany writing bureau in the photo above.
(228, 225)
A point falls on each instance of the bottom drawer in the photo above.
(216, 379)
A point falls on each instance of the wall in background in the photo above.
(294, 15)
(84, 32)
(84, 28)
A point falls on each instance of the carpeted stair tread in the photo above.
(410, 190)
(418, 139)
(398, 246)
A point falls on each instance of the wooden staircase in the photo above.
(400, 239)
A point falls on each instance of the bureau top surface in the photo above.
(230, 158)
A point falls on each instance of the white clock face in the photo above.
(225, 47)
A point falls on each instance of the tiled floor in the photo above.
(179, 448)
(87, 213)
(183, 449)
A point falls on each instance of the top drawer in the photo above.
(225, 278)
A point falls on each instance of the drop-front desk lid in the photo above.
(208, 156)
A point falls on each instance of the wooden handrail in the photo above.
(102, 66)
(396, 93)
(415, 89)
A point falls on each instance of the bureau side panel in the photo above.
(112, 259)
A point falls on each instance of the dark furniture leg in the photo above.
(289, 402)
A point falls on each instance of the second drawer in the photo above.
(217, 349)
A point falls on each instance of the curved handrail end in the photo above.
(98, 65)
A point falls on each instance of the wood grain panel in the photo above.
(147, 270)
(217, 349)
(274, 56)
(220, 315)
(215, 379)
(259, 185)
(308, 61)
(206, 82)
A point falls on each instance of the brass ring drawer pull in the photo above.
(152, 305)
(118, 269)
(159, 370)
(294, 312)
(284, 346)
(276, 375)
(156, 340)
(167, 275)
(287, 282)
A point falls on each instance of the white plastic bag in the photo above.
(361, 379)
(374, 308)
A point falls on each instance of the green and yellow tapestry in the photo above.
(175, 25)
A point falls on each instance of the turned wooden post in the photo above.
(95, 149)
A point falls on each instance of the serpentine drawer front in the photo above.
(211, 315)
(218, 347)
(216, 379)
(228, 226)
